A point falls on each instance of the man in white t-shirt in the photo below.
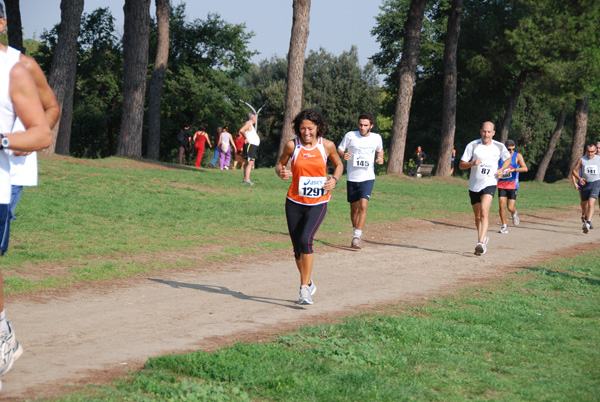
(482, 156)
(361, 149)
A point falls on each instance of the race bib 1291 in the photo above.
(312, 187)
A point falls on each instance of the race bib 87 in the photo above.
(312, 187)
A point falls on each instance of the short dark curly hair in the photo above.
(315, 117)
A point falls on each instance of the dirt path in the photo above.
(94, 335)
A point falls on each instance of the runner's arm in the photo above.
(49, 102)
(287, 153)
(379, 158)
(575, 172)
(29, 110)
(522, 165)
(333, 156)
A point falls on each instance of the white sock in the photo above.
(358, 233)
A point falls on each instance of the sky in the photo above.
(335, 25)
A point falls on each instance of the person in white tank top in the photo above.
(23, 165)
(17, 93)
(250, 145)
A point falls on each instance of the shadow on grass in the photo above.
(550, 272)
(226, 291)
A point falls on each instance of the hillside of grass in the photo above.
(87, 218)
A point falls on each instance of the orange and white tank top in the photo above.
(309, 174)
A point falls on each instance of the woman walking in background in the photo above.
(308, 195)
(225, 145)
(200, 139)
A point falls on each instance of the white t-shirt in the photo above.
(484, 174)
(23, 169)
(361, 165)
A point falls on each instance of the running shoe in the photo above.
(248, 182)
(504, 229)
(305, 295)
(516, 219)
(355, 243)
(586, 227)
(480, 249)
(10, 350)
(312, 287)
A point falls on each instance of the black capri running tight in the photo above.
(303, 222)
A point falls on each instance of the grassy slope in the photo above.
(87, 218)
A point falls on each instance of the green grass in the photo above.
(533, 337)
(85, 212)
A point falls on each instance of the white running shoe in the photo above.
(10, 350)
(516, 219)
(248, 182)
(586, 227)
(480, 249)
(504, 229)
(355, 243)
(312, 287)
(305, 295)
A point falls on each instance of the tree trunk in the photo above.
(135, 64)
(512, 103)
(14, 27)
(63, 72)
(155, 89)
(450, 78)
(581, 120)
(296, 55)
(541, 172)
(407, 72)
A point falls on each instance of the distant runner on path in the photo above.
(308, 195)
(589, 181)
(361, 149)
(508, 184)
(481, 156)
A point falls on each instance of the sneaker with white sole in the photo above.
(248, 182)
(355, 243)
(516, 219)
(312, 287)
(503, 229)
(10, 350)
(586, 227)
(480, 249)
(305, 295)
